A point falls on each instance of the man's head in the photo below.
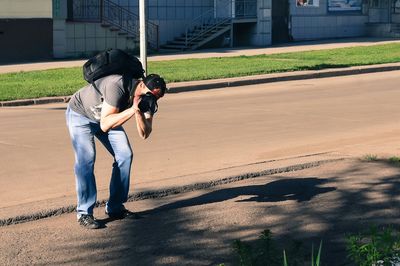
(155, 84)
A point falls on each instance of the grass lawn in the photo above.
(61, 82)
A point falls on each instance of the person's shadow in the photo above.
(298, 189)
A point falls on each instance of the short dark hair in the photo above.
(154, 81)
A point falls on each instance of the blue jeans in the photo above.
(82, 131)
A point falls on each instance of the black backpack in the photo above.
(113, 61)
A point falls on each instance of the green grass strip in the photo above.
(62, 82)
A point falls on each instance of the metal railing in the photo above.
(199, 32)
(111, 14)
(84, 10)
(221, 14)
(245, 9)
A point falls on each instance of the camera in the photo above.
(148, 103)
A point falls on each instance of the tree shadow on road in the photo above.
(200, 230)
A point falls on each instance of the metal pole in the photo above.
(233, 9)
(231, 36)
(215, 8)
(143, 35)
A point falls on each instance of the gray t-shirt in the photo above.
(88, 102)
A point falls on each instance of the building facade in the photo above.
(318, 19)
(195, 24)
(321, 19)
(81, 28)
(26, 30)
(86, 26)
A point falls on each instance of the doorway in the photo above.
(280, 21)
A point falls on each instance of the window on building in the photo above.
(344, 5)
(307, 3)
(379, 3)
(396, 7)
(245, 8)
(374, 3)
(84, 10)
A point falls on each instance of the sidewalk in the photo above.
(226, 52)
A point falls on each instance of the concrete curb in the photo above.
(62, 99)
(238, 81)
(167, 192)
(287, 76)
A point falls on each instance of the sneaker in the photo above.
(88, 221)
(123, 213)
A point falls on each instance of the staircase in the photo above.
(203, 29)
(395, 29)
(199, 35)
(115, 18)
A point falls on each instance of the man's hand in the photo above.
(143, 122)
(136, 101)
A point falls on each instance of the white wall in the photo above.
(25, 9)
(395, 18)
(262, 35)
(312, 23)
(87, 39)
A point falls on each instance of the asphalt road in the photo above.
(199, 134)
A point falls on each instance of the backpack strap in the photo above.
(127, 83)
(98, 91)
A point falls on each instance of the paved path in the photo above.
(204, 135)
(198, 228)
(295, 47)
